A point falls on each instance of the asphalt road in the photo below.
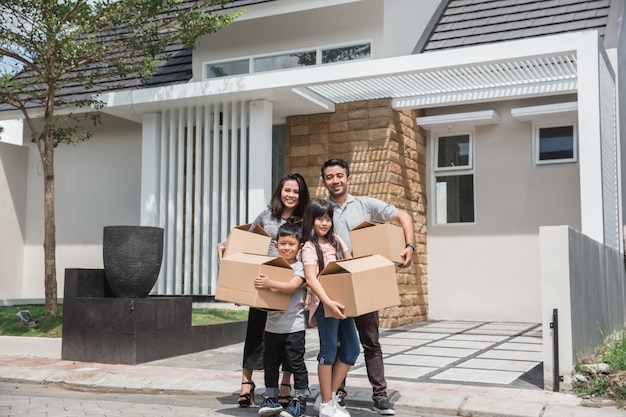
(35, 400)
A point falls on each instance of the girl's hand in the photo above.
(261, 281)
(337, 309)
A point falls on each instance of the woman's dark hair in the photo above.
(336, 162)
(318, 208)
(276, 203)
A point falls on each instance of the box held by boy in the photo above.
(378, 239)
(255, 241)
(362, 285)
(235, 281)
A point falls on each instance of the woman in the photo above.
(288, 202)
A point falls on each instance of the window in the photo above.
(295, 59)
(454, 179)
(278, 62)
(224, 69)
(555, 144)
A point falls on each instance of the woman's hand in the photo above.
(220, 253)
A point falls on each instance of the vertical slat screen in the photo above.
(203, 191)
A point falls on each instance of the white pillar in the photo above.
(589, 143)
(260, 171)
(150, 159)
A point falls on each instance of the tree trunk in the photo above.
(49, 242)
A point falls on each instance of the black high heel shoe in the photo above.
(246, 400)
(284, 400)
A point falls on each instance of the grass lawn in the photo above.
(11, 324)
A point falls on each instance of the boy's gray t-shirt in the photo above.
(292, 320)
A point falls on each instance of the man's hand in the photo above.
(407, 255)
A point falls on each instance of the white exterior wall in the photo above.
(393, 27)
(494, 263)
(97, 184)
(13, 165)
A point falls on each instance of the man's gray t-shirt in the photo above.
(292, 320)
(357, 210)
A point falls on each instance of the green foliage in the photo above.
(11, 324)
(613, 384)
(616, 353)
(51, 326)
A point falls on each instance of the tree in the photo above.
(57, 55)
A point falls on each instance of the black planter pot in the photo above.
(132, 259)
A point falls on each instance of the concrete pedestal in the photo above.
(100, 328)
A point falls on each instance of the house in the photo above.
(486, 120)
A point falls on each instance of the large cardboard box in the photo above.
(235, 281)
(378, 239)
(362, 285)
(255, 241)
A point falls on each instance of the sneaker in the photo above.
(341, 399)
(384, 407)
(270, 408)
(296, 408)
(333, 409)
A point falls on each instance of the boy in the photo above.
(285, 330)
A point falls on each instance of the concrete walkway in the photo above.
(451, 368)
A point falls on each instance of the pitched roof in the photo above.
(175, 70)
(462, 23)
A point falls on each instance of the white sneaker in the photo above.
(327, 410)
(340, 410)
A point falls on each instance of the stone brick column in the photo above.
(386, 151)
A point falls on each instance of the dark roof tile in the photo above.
(474, 22)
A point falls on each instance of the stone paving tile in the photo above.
(478, 375)
(461, 344)
(419, 360)
(443, 351)
(511, 354)
(530, 347)
(502, 365)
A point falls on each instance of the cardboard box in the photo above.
(362, 285)
(378, 239)
(235, 281)
(256, 241)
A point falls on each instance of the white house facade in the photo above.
(506, 137)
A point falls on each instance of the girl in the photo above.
(288, 202)
(323, 246)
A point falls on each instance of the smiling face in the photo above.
(322, 225)
(288, 247)
(290, 195)
(336, 182)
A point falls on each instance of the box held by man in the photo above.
(378, 239)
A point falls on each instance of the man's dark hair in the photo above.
(336, 162)
(290, 228)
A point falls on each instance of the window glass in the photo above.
(276, 62)
(556, 143)
(453, 151)
(348, 53)
(455, 199)
(224, 69)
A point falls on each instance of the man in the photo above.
(349, 212)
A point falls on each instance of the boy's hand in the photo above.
(262, 281)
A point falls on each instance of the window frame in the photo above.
(318, 59)
(536, 138)
(438, 172)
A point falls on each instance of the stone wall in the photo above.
(386, 151)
